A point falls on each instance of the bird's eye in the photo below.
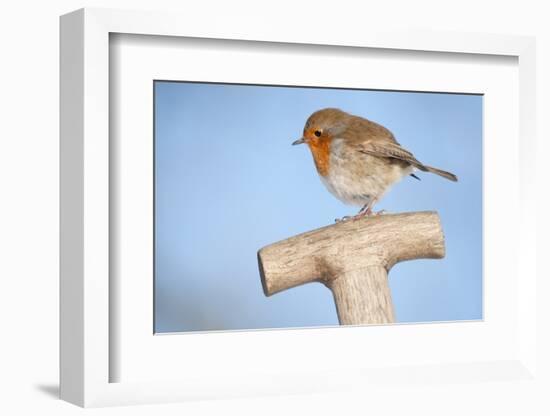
(318, 133)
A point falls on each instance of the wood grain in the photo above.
(352, 259)
(362, 296)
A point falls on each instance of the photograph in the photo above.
(331, 183)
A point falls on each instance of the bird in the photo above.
(358, 160)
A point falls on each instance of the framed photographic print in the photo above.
(230, 216)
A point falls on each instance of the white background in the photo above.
(29, 206)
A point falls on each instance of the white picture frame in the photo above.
(87, 302)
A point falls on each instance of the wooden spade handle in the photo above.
(353, 259)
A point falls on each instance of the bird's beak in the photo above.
(299, 141)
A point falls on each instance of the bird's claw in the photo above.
(360, 215)
(344, 219)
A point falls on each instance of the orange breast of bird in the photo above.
(320, 149)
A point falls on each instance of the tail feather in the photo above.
(446, 175)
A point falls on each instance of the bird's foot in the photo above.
(344, 219)
(361, 214)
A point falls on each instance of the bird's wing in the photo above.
(374, 139)
(389, 149)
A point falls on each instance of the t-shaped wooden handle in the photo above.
(353, 259)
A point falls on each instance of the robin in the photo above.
(357, 159)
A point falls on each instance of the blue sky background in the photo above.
(228, 182)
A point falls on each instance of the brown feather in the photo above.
(376, 140)
(357, 159)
